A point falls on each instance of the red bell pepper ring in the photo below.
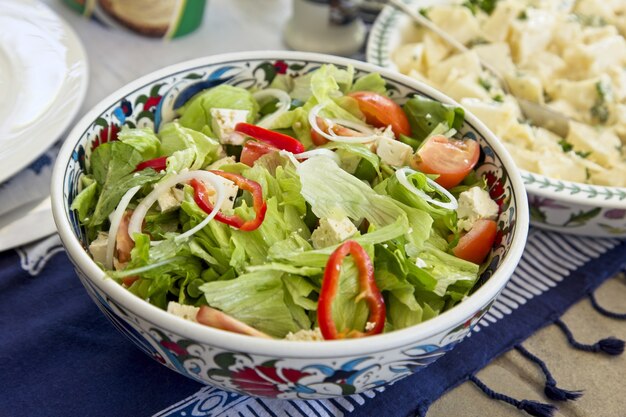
(201, 197)
(276, 139)
(369, 292)
(157, 164)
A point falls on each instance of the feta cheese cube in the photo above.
(475, 204)
(170, 200)
(98, 248)
(393, 152)
(306, 335)
(184, 311)
(331, 232)
(230, 189)
(223, 122)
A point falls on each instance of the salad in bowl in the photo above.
(256, 206)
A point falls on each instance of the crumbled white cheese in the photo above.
(98, 248)
(223, 122)
(170, 200)
(475, 204)
(307, 335)
(393, 152)
(331, 232)
(184, 311)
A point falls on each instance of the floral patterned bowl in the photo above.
(275, 368)
(562, 206)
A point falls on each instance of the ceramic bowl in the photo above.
(562, 206)
(276, 368)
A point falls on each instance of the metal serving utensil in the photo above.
(537, 114)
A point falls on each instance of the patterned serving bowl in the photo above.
(563, 206)
(276, 368)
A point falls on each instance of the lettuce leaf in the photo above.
(85, 202)
(255, 298)
(187, 148)
(373, 82)
(196, 114)
(143, 140)
(333, 192)
(424, 115)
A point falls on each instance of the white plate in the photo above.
(43, 77)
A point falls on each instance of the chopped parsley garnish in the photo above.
(600, 110)
(566, 146)
(487, 6)
(477, 41)
(484, 83)
(591, 20)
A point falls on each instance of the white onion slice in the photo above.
(290, 156)
(138, 271)
(402, 178)
(318, 152)
(115, 218)
(370, 134)
(359, 127)
(294, 158)
(284, 103)
(136, 220)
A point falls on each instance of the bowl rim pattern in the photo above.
(305, 350)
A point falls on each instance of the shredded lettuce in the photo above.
(143, 140)
(333, 192)
(187, 148)
(271, 277)
(255, 298)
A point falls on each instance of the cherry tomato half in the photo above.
(474, 246)
(253, 150)
(381, 111)
(451, 159)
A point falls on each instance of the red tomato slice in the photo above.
(474, 246)
(123, 242)
(253, 150)
(381, 111)
(451, 159)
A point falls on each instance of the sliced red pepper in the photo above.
(369, 292)
(157, 164)
(276, 139)
(201, 197)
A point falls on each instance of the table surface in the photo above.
(117, 57)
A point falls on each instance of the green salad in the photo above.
(314, 209)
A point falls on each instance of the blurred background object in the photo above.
(155, 18)
(327, 26)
